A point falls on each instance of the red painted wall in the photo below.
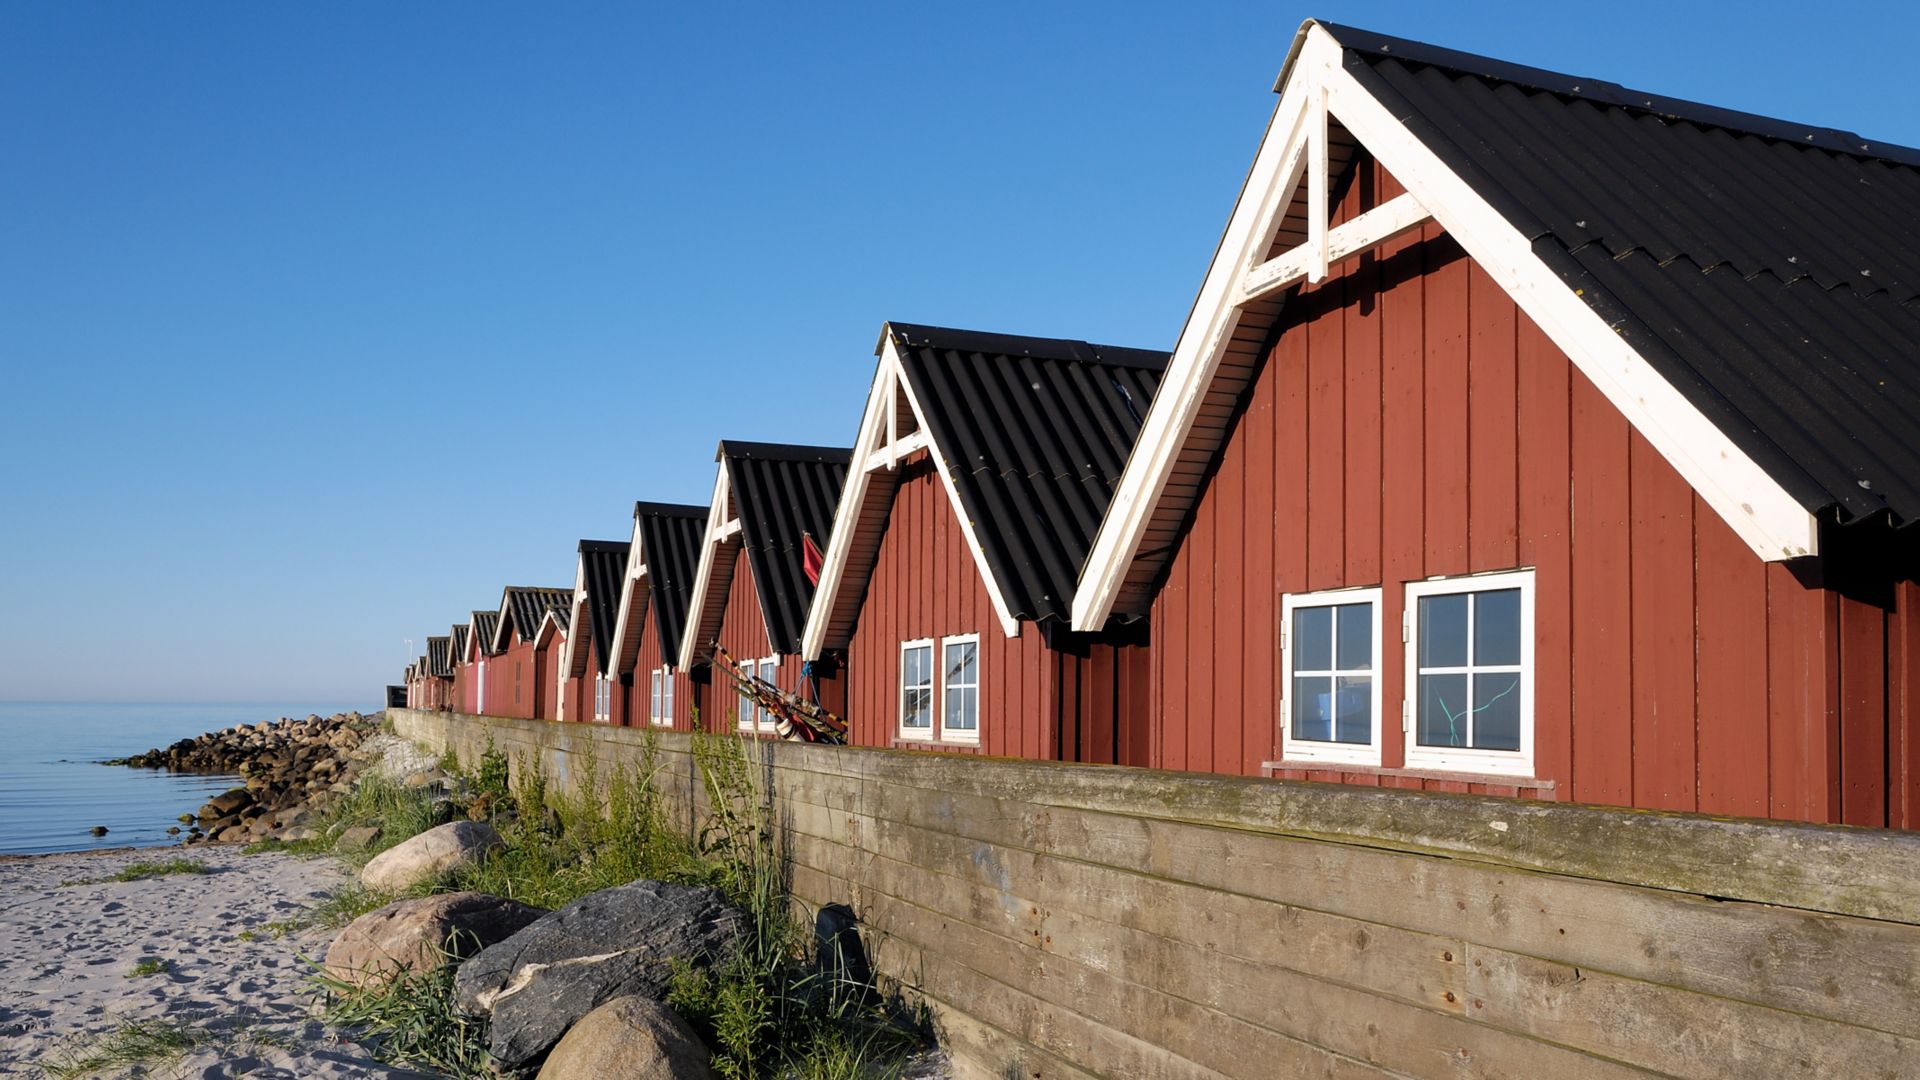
(545, 670)
(1410, 422)
(651, 655)
(511, 681)
(1086, 701)
(743, 632)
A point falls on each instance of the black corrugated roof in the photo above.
(1769, 270)
(458, 652)
(670, 536)
(1037, 432)
(439, 664)
(781, 492)
(485, 623)
(604, 563)
(526, 605)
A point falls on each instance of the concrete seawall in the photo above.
(1082, 921)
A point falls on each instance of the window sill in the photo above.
(1524, 783)
(936, 744)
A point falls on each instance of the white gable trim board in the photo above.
(635, 592)
(1772, 522)
(879, 448)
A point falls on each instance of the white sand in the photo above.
(65, 954)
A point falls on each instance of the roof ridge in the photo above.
(1560, 83)
(1024, 346)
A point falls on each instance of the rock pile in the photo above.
(293, 769)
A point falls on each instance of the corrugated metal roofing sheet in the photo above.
(485, 624)
(458, 651)
(670, 536)
(1037, 432)
(781, 493)
(439, 663)
(526, 605)
(1770, 271)
(604, 565)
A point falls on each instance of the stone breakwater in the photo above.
(293, 770)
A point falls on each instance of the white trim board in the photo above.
(1754, 505)
(879, 447)
(636, 591)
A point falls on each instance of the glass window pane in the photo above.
(1313, 708)
(1312, 639)
(919, 708)
(1353, 645)
(1496, 627)
(1442, 719)
(963, 660)
(770, 672)
(1496, 711)
(962, 709)
(1443, 630)
(1353, 710)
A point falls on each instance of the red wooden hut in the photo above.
(985, 463)
(479, 656)
(438, 687)
(518, 671)
(1532, 436)
(589, 689)
(549, 644)
(656, 588)
(751, 589)
(457, 665)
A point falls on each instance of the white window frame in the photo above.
(1465, 758)
(767, 671)
(1315, 751)
(930, 732)
(751, 717)
(661, 711)
(480, 691)
(602, 698)
(958, 735)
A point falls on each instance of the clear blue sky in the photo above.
(319, 323)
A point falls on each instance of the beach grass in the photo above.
(151, 965)
(763, 1010)
(140, 871)
(133, 1044)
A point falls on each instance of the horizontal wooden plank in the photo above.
(1853, 970)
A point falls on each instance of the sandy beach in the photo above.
(67, 952)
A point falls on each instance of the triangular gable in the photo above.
(1028, 436)
(596, 595)
(1279, 236)
(457, 650)
(767, 497)
(480, 636)
(661, 559)
(521, 609)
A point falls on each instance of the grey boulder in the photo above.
(610, 944)
(420, 935)
(630, 1037)
(435, 852)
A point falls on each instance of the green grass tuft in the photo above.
(132, 1044)
(151, 965)
(413, 1021)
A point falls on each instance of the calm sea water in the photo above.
(52, 790)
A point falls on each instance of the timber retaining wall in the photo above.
(1089, 921)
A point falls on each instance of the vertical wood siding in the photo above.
(1409, 421)
(1086, 700)
(743, 632)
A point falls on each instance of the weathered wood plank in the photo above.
(1855, 970)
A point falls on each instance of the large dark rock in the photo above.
(420, 935)
(613, 943)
